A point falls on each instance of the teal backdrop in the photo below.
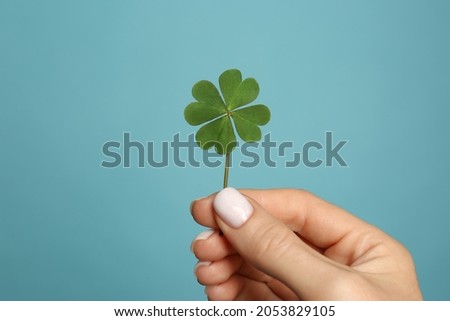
(77, 74)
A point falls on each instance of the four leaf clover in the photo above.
(219, 112)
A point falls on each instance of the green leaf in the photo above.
(247, 130)
(218, 112)
(229, 81)
(258, 114)
(205, 91)
(197, 113)
(218, 133)
(247, 92)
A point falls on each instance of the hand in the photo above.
(292, 245)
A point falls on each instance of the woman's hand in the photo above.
(291, 245)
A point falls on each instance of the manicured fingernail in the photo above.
(191, 206)
(201, 263)
(202, 236)
(206, 291)
(212, 288)
(193, 202)
(232, 207)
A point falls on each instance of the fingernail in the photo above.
(206, 291)
(191, 205)
(201, 263)
(202, 236)
(211, 288)
(193, 202)
(232, 207)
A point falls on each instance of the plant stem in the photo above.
(227, 167)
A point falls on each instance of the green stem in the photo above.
(227, 167)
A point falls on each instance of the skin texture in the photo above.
(296, 246)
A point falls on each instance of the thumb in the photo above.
(270, 246)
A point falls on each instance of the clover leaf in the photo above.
(219, 112)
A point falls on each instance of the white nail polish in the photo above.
(193, 202)
(201, 263)
(232, 207)
(202, 236)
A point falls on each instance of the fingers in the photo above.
(318, 222)
(218, 271)
(240, 288)
(213, 247)
(226, 291)
(219, 263)
(270, 246)
(203, 212)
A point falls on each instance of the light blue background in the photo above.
(75, 74)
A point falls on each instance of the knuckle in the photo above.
(270, 240)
